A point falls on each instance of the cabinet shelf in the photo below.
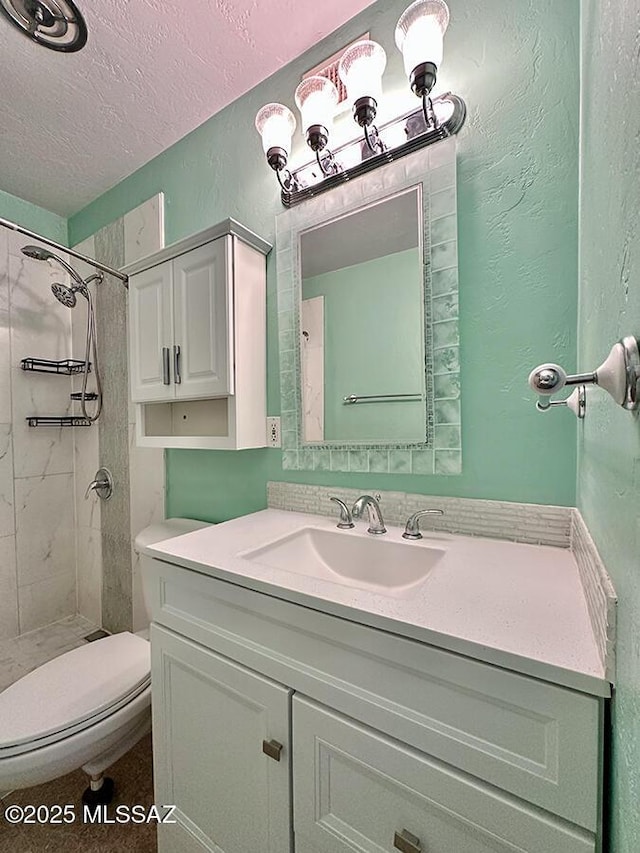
(63, 421)
(64, 367)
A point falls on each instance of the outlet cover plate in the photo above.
(273, 432)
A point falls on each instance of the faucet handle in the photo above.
(346, 522)
(102, 485)
(412, 527)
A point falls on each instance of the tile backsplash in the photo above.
(531, 523)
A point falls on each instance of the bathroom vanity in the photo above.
(458, 710)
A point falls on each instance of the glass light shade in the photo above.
(316, 98)
(361, 68)
(420, 33)
(275, 123)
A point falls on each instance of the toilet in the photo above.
(86, 708)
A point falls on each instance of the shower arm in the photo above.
(12, 226)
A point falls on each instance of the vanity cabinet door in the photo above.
(356, 790)
(216, 731)
(202, 355)
(151, 334)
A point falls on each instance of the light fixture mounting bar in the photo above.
(415, 141)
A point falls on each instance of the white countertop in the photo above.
(517, 606)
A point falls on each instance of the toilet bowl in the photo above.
(85, 708)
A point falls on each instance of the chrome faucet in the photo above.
(376, 524)
(412, 527)
(346, 522)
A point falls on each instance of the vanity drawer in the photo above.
(533, 739)
(356, 790)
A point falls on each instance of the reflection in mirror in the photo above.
(367, 281)
(362, 332)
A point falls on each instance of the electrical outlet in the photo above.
(273, 432)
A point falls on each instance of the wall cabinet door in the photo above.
(151, 333)
(211, 719)
(203, 337)
(356, 790)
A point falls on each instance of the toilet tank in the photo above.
(166, 529)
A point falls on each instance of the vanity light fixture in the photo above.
(276, 123)
(419, 36)
(360, 69)
(316, 98)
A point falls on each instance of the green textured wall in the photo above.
(366, 313)
(34, 218)
(517, 65)
(609, 440)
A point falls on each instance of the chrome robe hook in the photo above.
(619, 375)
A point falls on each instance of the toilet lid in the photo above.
(73, 689)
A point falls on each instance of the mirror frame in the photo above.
(434, 170)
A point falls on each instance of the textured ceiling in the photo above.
(73, 125)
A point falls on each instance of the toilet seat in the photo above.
(73, 692)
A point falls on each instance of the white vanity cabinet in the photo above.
(212, 721)
(197, 341)
(388, 744)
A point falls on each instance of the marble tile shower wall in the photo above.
(37, 543)
(85, 464)
(109, 586)
(59, 553)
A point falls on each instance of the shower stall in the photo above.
(62, 554)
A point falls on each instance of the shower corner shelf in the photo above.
(64, 367)
(89, 395)
(64, 421)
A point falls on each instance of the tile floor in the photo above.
(133, 774)
(24, 653)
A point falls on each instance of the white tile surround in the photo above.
(534, 524)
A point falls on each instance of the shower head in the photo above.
(40, 254)
(65, 295)
(37, 253)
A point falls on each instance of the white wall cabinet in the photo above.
(197, 341)
(391, 745)
(181, 337)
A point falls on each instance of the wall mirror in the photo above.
(368, 322)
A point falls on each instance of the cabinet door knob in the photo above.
(272, 748)
(166, 379)
(176, 364)
(406, 842)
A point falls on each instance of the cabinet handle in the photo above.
(176, 365)
(406, 842)
(166, 378)
(272, 748)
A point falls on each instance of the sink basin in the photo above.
(380, 565)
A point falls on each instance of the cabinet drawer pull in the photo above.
(406, 842)
(166, 378)
(176, 365)
(272, 748)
